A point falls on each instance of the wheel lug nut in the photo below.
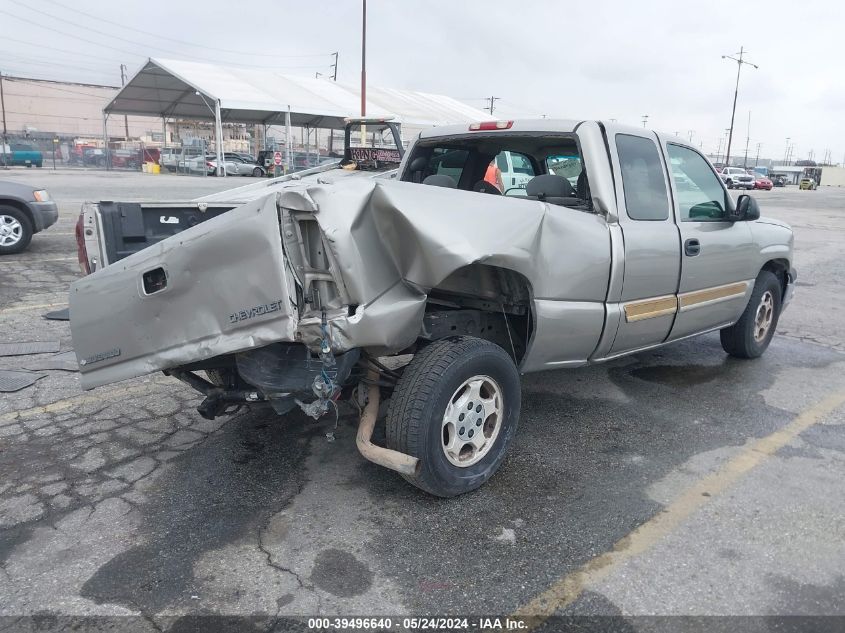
(470, 405)
(478, 409)
(461, 418)
(478, 422)
(471, 433)
(461, 431)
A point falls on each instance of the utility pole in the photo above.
(645, 119)
(739, 62)
(747, 139)
(334, 66)
(690, 132)
(364, 61)
(123, 83)
(492, 101)
(786, 151)
(3, 108)
(757, 160)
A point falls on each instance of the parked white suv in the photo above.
(737, 177)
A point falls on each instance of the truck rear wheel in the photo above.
(750, 336)
(456, 409)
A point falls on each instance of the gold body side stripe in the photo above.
(712, 295)
(670, 304)
(650, 308)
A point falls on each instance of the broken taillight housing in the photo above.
(81, 250)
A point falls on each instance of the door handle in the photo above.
(692, 247)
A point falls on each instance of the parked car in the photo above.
(24, 211)
(779, 180)
(736, 177)
(20, 154)
(807, 183)
(761, 182)
(236, 165)
(516, 170)
(292, 299)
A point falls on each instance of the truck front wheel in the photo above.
(750, 336)
(456, 409)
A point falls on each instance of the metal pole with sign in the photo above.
(55, 146)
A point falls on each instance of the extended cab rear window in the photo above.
(643, 180)
(502, 164)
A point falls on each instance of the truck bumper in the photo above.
(791, 276)
(44, 214)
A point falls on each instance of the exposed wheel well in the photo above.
(779, 267)
(20, 206)
(485, 301)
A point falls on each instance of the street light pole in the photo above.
(747, 139)
(645, 119)
(3, 109)
(364, 61)
(739, 62)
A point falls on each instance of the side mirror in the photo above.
(747, 209)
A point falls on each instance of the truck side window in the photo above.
(642, 178)
(700, 195)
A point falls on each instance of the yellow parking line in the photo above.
(73, 401)
(566, 590)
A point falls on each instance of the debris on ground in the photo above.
(33, 347)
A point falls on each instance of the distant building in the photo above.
(40, 110)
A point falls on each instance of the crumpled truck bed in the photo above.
(226, 289)
(231, 284)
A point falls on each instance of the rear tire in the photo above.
(15, 230)
(750, 336)
(456, 409)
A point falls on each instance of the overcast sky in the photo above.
(594, 59)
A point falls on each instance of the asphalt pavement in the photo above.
(675, 482)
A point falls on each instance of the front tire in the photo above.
(456, 409)
(15, 230)
(257, 172)
(750, 336)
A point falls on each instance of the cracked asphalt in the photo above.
(123, 501)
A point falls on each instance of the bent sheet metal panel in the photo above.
(227, 291)
(407, 238)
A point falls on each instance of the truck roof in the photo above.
(537, 126)
(518, 125)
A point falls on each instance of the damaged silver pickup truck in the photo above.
(623, 239)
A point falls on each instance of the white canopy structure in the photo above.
(192, 90)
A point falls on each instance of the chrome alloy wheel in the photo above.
(765, 314)
(472, 421)
(11, 230)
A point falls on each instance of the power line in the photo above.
(40, 61)
(51, 48)
(128, 41)
(178, 41)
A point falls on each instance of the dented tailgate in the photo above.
(219, 287)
